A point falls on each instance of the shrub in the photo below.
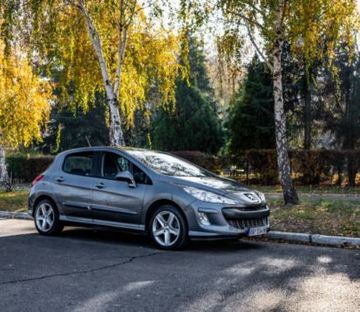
(309, 167)
(24, 168)
(201, 159)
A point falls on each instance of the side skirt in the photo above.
(120, 225)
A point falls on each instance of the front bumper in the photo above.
(228, 222)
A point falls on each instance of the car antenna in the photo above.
(87, 140)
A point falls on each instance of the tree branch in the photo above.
(252, 39)
(254, 7)
(123, 34)
(121, 55)
(248, 19)
(97, 45)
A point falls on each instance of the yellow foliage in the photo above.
(24, 101)
(151, 62)
(316, 27)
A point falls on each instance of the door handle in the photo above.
(100, 185)
(59, 179)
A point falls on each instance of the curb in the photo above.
(315, 239)
(15, 215)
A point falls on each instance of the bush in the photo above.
(201, 159)
(23, 169)
(309, 167)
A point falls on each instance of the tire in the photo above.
(168, 228)
(46, 218)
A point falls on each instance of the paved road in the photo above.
(97, 270)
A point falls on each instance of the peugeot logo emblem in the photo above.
(251, 196)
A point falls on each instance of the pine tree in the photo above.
(193, 124)
(251, 113)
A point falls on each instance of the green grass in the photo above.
(328, 217)
(14, 201)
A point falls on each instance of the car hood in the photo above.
(222, 186)
(212, 183)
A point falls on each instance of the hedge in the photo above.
(309, 167)
(23, 169)
(207, 161)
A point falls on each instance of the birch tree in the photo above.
(119, 47)
(312, 28)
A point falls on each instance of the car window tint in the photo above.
(79, 163)
(140, 176)
(112, 164)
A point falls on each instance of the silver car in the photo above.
(153, 192)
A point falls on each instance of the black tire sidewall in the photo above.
(57, 226)
(183, 237)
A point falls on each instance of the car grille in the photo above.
(246, 223)
(252, 208)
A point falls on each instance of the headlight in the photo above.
(208, 196)
(261, 196)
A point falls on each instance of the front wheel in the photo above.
(46, 218)
(168, 228)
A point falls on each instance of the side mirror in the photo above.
(126, 176)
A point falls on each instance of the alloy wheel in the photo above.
(166, 228)
(45, 217)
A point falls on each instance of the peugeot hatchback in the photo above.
(153, 192)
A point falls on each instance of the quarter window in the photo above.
(80, 164)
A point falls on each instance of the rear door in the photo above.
(75, 183)
(115, 201)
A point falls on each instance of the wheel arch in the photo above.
(43, 197)
(161, 202)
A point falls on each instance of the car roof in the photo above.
(102, 148)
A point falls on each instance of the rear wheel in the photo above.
(168, 228)
(46, 218)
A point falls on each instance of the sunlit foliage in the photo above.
(24, 101)
(58, 35)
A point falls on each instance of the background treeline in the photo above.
(322, 107)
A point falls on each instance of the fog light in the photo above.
(203, 218)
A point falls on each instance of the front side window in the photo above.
(140, 176)
(112, 164)
(80, 164)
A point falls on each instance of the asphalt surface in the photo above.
(102, 270)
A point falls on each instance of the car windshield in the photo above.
(167, 164)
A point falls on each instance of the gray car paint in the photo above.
(79, 200)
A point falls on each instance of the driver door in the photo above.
(114, 201)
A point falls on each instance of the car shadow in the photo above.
(112, 236)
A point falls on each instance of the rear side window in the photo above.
(80, 164)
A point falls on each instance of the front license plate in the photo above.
(257, 231)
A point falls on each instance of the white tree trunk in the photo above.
(289, 192)
(116, 133)
(3, 169)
